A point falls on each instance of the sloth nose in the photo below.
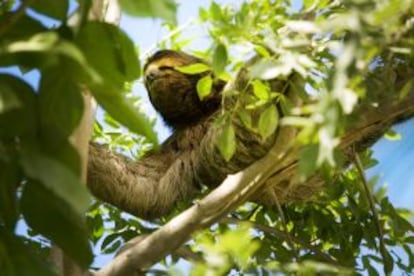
(152, 74)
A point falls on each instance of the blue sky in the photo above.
(396, 165)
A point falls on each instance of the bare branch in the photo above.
(383, 250)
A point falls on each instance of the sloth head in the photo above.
(173, 93)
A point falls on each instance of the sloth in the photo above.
(174, 94)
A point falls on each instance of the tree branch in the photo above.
(382, 249)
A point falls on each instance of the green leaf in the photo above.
(193, 69)
(46, 213)
(239, 244)
(120, 107)
(17, 258)
(52, 8)
(58, 147)
(40, 42)
(215, 11)
(268, 121)
(110, 121)
(25, 26)
(18, 114)
(42, 50)
(60, 100)
(388, 263)
(261, 90)
(405, 90)
(367, 265)
(285, 104)
(9, 182)
(392, 135)
(262, 51)
(165, 9)
(120, 65)
(203, 14)
(219, 59)
(307, 161)
(312, 4)
(108, 240)
(61, 108)
(57, 178)
(110, 52)
(409, 239)
(409, 251)
(204, 86)
(95, 224)
(246, 118)
(8, 98)
(227, 141)
(381, 192)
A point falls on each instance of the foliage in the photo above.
(334, 46)
(165, 9)
(39, 167)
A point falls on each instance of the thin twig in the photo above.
(183, 251)
(360, 168)
(254, 211)
(284, 224)
(186, 253)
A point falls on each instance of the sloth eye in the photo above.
(165, 67)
